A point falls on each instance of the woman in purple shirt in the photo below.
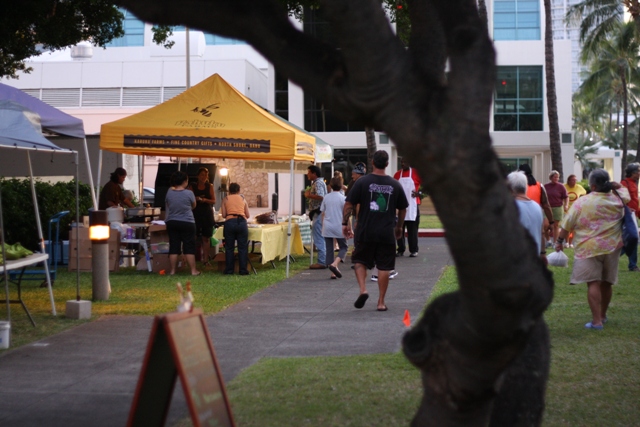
(558, 199)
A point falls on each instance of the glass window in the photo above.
(133, 32)
(512, 165)
(212, 39)
(316, 117)
(516, 20)
(282, 96)
(518, 101)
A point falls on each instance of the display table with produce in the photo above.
(22, 264)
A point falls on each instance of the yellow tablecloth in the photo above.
(274, 240)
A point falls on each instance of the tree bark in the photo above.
(625, 129)
(552, 99)
(371, 147)
(468, 342)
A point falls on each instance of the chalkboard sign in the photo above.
(180, 345)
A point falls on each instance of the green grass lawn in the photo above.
(594, 379)
(430, 221)
(135, 293)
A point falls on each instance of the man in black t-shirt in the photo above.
(379, 197)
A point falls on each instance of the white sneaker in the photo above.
(392, 275)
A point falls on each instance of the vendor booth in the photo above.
(52, 121)
(211, 120)
(20, 134)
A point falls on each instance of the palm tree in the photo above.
(584, 147)
(552, 98)
(597, 18)
(614, 66)
(586, 119)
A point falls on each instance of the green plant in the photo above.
(18, 212)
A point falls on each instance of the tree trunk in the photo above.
(371, 147)
(469, 343)
(552, 99)
(625, 129)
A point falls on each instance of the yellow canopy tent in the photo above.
(211, 120)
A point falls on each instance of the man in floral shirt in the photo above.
(315, 195)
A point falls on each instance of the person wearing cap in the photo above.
(410, 181)
(358, 170)
(112, 194)
(632, 173)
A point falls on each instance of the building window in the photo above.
(512, 165)
(344, 161)
(282, 96)
(517, 104)
(212, 39)
(133, 31)
(316, 117)
(516, 20)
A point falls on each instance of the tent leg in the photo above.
(40, 236)
(99, 172)
(290, 215)
(4, 256)
(93, 192)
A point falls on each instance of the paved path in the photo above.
(86, 376)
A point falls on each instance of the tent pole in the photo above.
(39, 225)
(4, 256)
(78, 223)
(141, 177)
(99, 172)
(93, 192)
(290, 215)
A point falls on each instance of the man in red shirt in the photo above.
(632, 173)
(410, 181)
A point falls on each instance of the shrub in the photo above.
(18, 214)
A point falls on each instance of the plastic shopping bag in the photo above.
(558, 259)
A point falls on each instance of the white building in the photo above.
(134, 74)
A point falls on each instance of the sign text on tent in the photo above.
(198, 143)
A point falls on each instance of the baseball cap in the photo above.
(360, 169)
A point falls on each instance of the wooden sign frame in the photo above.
(180, 345)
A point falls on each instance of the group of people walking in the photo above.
(374, 211)
(590, 222)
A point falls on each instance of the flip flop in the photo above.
(335, 271)
(333, 277)
(590, 325)
(199, 273)
(361, 300)
(383, 309)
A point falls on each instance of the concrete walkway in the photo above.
(86, 376)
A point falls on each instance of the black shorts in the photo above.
(373, 254)
(182, 233)
(204, 224)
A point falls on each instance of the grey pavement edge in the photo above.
(86, 376)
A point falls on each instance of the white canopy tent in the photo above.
(21, 132)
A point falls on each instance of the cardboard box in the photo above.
(161, 262)
(80, 242)
(254, 259)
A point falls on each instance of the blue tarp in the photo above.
(52, 119)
